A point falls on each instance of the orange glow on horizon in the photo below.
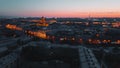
(73, 14)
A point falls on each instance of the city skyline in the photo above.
(60, 8)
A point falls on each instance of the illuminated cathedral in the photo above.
(42, 22)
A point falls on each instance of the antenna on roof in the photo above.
(89, 17)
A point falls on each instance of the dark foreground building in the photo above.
(46, 55)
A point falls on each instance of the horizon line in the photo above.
(1, 16)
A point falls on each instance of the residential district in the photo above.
(39, 42)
